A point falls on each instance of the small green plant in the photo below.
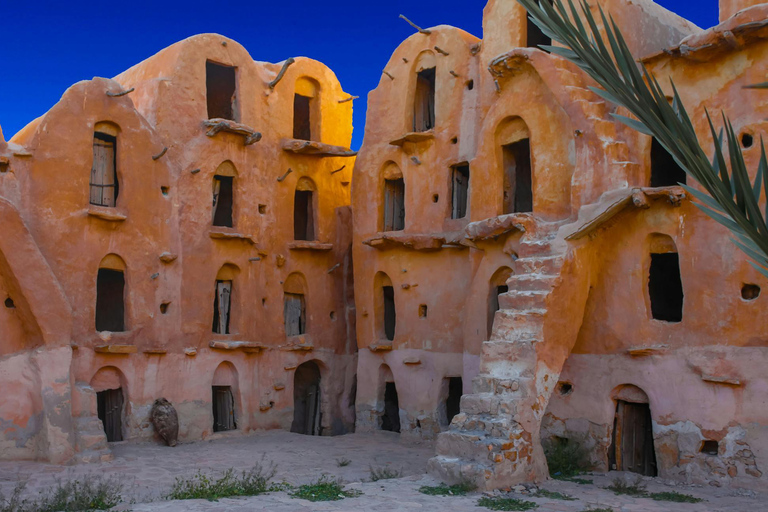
(94, 492)
(554, 495)
(621, 486)
(460, 489)
(501, 503)
(674, 496)
(566, 459)
(343, 462)
(248, 483)
(324, 488)
(383, 473)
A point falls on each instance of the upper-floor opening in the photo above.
(306, 109)
(295, 305)
(665, 286)
(110, 294)
(386, 314)
(221, 91)
(424, 93)
(104, 186)
(222, 302)
(304, 208)
(459, 190)
(534, 35)
(393, 212)
(224, 194)
(516, 163)
(665, 171)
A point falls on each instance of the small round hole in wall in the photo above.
(164, 190)
(747, 140)
(564, 388)
(333, 315)
(164, 307)
(750, 291)
(455, 140)
(9, 303)
(435, 198)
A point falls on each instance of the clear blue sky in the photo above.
(47, 46)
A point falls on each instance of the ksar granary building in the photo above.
(527, 270)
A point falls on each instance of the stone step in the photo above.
(468, 446)
(94, 456)
(89, 434)
(514, 325)
(487, 383)
(532, 282)
(549, 265)
(534, 248)
(453, 470)
(523, 300)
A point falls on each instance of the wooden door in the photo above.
(633, 439)
(223, 409)
(110, 410)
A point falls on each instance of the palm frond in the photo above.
(729, 196)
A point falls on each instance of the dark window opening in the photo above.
(222, 307)
(750, 291)
(665, 171)
(294, 314)
(109, 406)
(223, 409)
(165, 190)
(453, 402)
(303, 216)
(4, 166)
(666, 287)
(104, 185)
(535, 36)
(494, 305)
(424, 103)
(306, 400)
(9, 303)
(460, 191)
(390, 420)
(302, 127)
(470, 85)
(221, 89)
(390, 316)
(518, 181)
(394, 205)
(164, 307)
(223, 195)
(632, 446)
(422, 311)
(747, 140)
(709, 447)
(435, 198)
(110, 302)
(262, 209)
(564, 388)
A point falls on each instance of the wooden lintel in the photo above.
(308, 147)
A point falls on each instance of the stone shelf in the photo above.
(106, 213)
(309, 245)
(496, 226)
(380, 347)
(225, 234)
(647, 351)
(718, 379)
(249, 347)
(115, 349)
(414, 137)
(218, 124)
(416, 242)
(308, 147)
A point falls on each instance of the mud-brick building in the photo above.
(181, 231)
(513, 240)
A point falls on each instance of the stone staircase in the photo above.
(494, 441)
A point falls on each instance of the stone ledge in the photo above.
(223, 234)
(308, 147)
(717, 379)
(380, 347)
(249, 347)
(647, 351)
(106, 213)
(115, 349)
(309, 245)
(496, 226)
(414, 137)
(416, 242)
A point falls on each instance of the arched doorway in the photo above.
(109, 385)
(306, 399)
(632, 446)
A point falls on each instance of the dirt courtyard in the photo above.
(148, 471)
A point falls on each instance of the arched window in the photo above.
(304, 210)
(225, 397)
(294, 305)
(514, 138)
(665, 171)
(424, 94)
(221, 91)
(498, 286)
(104, 186)
(222, 302)
(386, 314)
(306, 400)
(665, 285)
(224, 194)
(110, 294)
(306, 109)
(393, 213)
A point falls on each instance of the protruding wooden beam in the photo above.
(351, 98)
(160, 154)
(280, 75)
(121, 93)
(421, 30)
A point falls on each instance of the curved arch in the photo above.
(633, 443)
(306, 399)
(227, 272)
(306, 183)
(226, 168)
(385, 312)
(661, 243)
(225, 397)
(112, 401)
(295, 304)
(113, 262)
(109, 377)
(307, 86)
(630, 393)
(498, 285)
(107, 128)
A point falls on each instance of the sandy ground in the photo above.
(148, 471)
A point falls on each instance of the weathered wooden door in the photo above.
(306, 399)
(223, 409)
(103, 175)
(633, 439)
(109, 404)
(294, 314)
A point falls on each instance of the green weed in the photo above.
(93, 492)
(248, 483)
(554, 495)
(500, 503)
(324, 489)
(674, 496)
(343, 462)
(566, 459)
